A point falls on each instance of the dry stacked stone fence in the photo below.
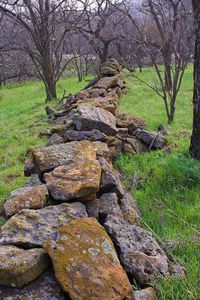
(73, 232)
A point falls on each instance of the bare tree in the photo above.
(195, 140)
(163, 35)
(101, 26)
(42, 25)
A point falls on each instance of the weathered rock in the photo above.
(145, 294)
(33, 181)
(45, 287)
(129, 209)
(140, 254)
(87, 117)
(110, 68)
(55, 139)
(48, 158)
(94, 135)
(97, 92)
(101, 149)
(107, 82)
(86, 264)
(31, 228)
(152, 139)
(29, 167)
(19, 267)
(110, 180)
(109, 206)
(108, 102)
(74, 181)
(132, 123)
(28, 197)
(115, 148)
(131, 145)
(92, 208)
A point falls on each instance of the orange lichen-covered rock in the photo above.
(48, 158)
(86, 264)
(29, 197)
(74, 181)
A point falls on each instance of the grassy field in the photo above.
(168, 189)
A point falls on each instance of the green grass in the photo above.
(168, 189)
(22, 117)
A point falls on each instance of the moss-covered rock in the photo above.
(86, 264)
(19, 267)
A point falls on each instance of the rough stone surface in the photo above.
(92, 208)
(33, 181)
(55, 139)
(94, 135)
(87, 117)
(109, 205)
(28, 197)
(152, 139)
(129, 209)
(29, 167)
(19, 267)
(132, 145)
(31, 228)
(74, 181)
(45, 287)
(140, 254)
(108, 82)
(110, 180)
(101, 149)
(86, 264)
(48, 158)
(145, 294)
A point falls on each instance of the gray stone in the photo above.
(129, 209)
(31, 228)
(29, 167)
(55, 139)
(94, 135)
(92, 208)
(140, 254)
(145, 294)
(110, 180)
(152, 139)
(45, 287)
(19, 267)
(109, 205)
(87, 117)
(33, 181)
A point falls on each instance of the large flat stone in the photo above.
(28, 197)
(48, 158)
(74, 181)
(87, 117)
(108, 82)
(19, 267)
(152, 139)
(45, 287)
(31, 228)
(86, 264)
(93, 135)
(140, 254)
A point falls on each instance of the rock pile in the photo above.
(73, 232)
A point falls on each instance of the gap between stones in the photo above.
(73, 232)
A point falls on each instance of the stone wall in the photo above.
(73, 232)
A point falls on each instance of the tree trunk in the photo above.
(50, 88)
(195, 139)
